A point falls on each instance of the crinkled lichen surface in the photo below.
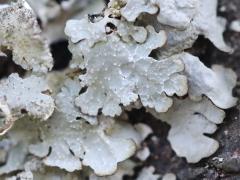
(73, 124)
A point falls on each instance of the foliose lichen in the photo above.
(129, 55)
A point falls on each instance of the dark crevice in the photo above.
(79, 118)
(95, 17)
(99, 111)
(61, 54)
(154, 54)
(71, 151)
(39, 22)
(203, 49)
(7, 66)
(110, 27)
(83, 90)
(49, 151)
(24, 111)
(60, 1)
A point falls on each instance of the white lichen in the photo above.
(76, 145)
(235, 25)
(209, 25)
(29, 96)
(82, 144)
(199, 16)
(125, 73)
(190, 121)
(129, 55)
(216, 83)
(148, 173)
(19, 142)
(169, 176)
(21, 34)
(125, 168)
(53, 15)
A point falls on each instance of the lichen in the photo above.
(21, 34)
(130, 55)
(190, 121)
(125, 73)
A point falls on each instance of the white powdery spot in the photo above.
(189, 122)
(20, 33)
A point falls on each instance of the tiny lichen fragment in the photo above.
(169, 176)
(189, 122)
(148, 173)
(216, 83)
(27, 97)
(20, 33)
(143, 154)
